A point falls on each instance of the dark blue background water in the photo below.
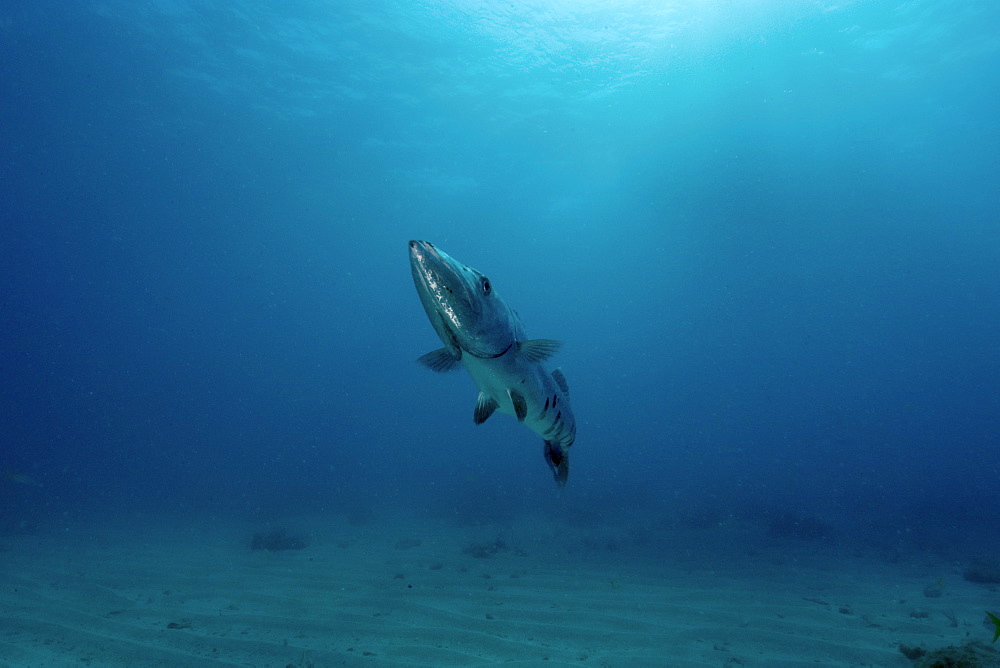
(768, 237)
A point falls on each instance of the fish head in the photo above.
(462, 304)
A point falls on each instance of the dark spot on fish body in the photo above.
(555, 400)
(519, 404)
(561, 430)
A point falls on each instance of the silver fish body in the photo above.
(486, 337)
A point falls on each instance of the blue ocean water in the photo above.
(767, 233)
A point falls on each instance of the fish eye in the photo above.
(487, 287)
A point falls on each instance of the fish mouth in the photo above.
(436, 273)
(439, 286)
(426, 262)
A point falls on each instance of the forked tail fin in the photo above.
(558, 460)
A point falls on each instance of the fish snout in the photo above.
(417, 247)
(428, 258)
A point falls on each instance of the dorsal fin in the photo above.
(484, 408)
(538, 350)
(560, 379)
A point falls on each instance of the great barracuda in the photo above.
(483, 334)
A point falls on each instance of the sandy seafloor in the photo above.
(410, 593)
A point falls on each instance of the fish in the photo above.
(996, 625)
(481, 333)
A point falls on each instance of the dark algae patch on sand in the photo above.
(279, 539)
(972, 655)
(983, 572)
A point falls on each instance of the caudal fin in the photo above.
(558, 460)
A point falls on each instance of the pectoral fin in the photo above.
(538, 350)
(484, 408)
(439, 360)
(520, 405)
